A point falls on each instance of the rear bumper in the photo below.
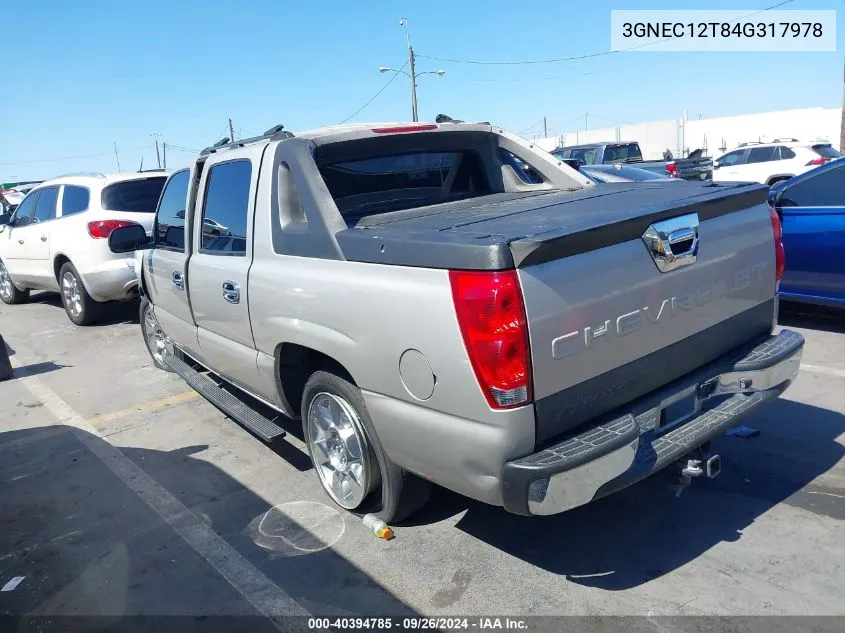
(111, 280)
(626, 446)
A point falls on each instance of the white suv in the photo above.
(57, 239)
(768, 163)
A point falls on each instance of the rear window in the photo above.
(826, 151)
(403, 181)
(622, 152)
(138, 196)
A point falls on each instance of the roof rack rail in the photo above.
(144, 171)
(445, 118)
(747, 143)
(90, 174)
(275, 133)
(786, 139)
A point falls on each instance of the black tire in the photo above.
(82, 310)
(398, 493)
(13, 296)
(142, 316)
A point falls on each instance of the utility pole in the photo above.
(164, 154)
(116, 157)
(412, 67)
(586, 122)
(155, 135)
(231, 132)
(545, 129)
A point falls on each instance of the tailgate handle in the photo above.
(673, 243)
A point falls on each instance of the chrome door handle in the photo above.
(20, 241)
(231, 292)
(178, 280)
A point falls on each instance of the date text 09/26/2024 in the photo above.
(418, 624)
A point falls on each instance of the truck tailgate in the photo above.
(607, 326)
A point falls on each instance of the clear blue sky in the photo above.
(81, 75)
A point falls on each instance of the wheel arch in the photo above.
(778, 177)
(294, 365)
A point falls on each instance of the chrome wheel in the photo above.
(7, 289)
(339, 449)
(71, 294)
(155, 338)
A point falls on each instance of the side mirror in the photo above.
(715, 164)
(128, 239)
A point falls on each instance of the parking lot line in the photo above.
(262, 593)
(145, 407)
(830, 371)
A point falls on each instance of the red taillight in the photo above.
(102, 228)
(672, 170)
(780, 253)
(491, 316)
(404, 128)
(817, 161)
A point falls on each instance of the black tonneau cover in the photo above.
(523, 229)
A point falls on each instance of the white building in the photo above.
(681, 136)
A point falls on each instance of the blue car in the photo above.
(812, 209)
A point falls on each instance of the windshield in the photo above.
(137, 196)
(585, 154)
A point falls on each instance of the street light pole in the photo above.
(411, 60)
(403, 22)
(412, 75)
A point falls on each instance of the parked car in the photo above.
(773, 162)
(56, 240)
(695, 167)
(431, 315)
(11, 196)
(621, 173)
(813, 210)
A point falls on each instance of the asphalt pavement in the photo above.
(123, 493)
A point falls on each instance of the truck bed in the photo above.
(527, 228)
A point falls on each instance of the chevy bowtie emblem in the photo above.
(673, 243)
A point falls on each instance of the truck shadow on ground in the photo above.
(644, 532)
(87, 544)
(112, 313)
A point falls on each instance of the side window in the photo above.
(26, 209)
(826, 189)
(46, 207)
(731, 158)
(225, 208)
(761, 154)
(75, 199)
(170, 219)
(523, 170)
(785, 153)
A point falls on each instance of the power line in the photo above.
(373, 98)
(178, 148)
(578, 57)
